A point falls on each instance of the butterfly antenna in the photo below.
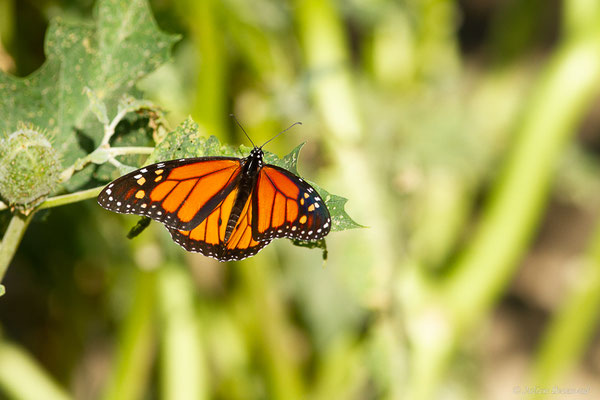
(242, 128)
(289, 127)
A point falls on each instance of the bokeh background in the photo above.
(466, 136)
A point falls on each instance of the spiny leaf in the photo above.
(340, 220)
(107, 56)
(186, 141)
(288, 162)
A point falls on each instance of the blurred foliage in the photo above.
(464, 133)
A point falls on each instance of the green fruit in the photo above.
(29, 168)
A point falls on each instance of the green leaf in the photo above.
(186, 141)
(97, 106)
(108, 56)
(288, 162)
(340, 220)
(130, 104)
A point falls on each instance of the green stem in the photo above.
(481, 275)
(269, 330)
(21, 376)
(136, 344)
(518, 200)
(109, 130)
(66, 198)
(206, 34)
(71, 198)
(112, 152)
(18, 224)
(183, 373)
(333, 90)
(10, 241)
(119, 151)
(571, 329)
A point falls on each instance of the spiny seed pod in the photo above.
(29, 168)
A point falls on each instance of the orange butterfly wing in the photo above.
(208, 238)
(194, 198)
(284, 205)
(179, 193)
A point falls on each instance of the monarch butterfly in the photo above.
(227, 208)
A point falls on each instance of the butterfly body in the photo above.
(248, 177)
(227, 208)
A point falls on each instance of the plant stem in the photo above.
(112, 152)
(71, 198)
(572, 327)
(563, 95)
(481, 274)
(269, 332)
(205, 33)
(333, 90)
(136, 345)
(183, 372)
(18, 224)
(119, 151)
(109, 130)
(10, 241)
(22, 377)
(65, 198)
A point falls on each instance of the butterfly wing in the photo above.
(208, 238)
(284, 205)
(179, 193)
(195, 197)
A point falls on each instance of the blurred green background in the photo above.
(466, 136)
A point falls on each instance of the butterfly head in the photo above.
(257, 153)
(255, 160)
